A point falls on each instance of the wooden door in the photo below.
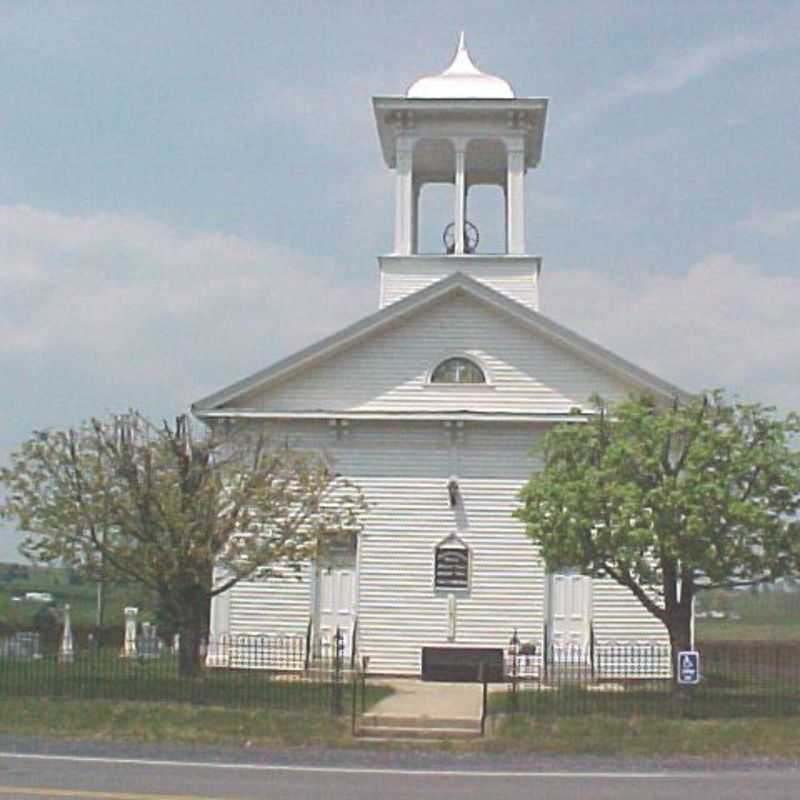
(337, 596)
(570, 604)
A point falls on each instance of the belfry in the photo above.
(463, 128)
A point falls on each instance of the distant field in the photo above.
(752, 617)
(65, 587)
(724, 631)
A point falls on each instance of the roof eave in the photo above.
(383, 105)
(327, 346)
(588, 350)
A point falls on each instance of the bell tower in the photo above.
(463, 128)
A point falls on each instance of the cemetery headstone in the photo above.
(129, 646)
(67, 650)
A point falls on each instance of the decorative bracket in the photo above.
(403, 120)
(456, 430)
(521, 120)
(340, 429)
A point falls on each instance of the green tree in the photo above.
(185, 515)
(670, 501)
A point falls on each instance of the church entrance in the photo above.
(570, 616)
(336, 605)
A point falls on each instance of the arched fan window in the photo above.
(458, 370)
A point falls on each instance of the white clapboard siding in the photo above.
(403, 470)
(514, 277)
(620, 619)
(501, 451)
(277, 605)
(400, 611)
(388, 372)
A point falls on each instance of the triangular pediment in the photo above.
(382, 364)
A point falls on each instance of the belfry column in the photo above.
(416, 189)
(515, 201)
(459, 215)
(404, 212)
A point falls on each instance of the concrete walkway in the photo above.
(431, 700)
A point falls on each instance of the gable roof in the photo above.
(455, 283)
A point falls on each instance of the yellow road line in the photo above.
(39, 791)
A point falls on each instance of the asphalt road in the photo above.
(91, 772)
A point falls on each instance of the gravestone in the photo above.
(129, 646)
(21, 646)
(67, 650)
(148, 643)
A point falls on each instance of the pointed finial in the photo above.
(462, 61)
(461, 79)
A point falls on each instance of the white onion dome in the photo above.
(461, 80)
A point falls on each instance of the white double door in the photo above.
(336, 604)
(570, 617)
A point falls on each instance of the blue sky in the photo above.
(189, 191)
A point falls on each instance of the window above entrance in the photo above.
(458, 369)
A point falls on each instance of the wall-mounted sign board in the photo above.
(452, 568)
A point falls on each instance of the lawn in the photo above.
(649, 737)
(173, 723)
(106, 676)
(714, 631)
(593, 734)
(716, 698)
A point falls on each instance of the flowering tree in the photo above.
(668, 502)
(164, 507)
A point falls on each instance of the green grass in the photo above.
(179, 724)
(713, 631)
(106, 676)
(595, 734)
(649, 737)
(725, 700)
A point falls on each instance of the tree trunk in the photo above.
(189, 650)
(679, 627)
(189, 608)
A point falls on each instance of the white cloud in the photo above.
(333, 111)
(723, 323)
(128, 302)
(673, 70)
(775, 224)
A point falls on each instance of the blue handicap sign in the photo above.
(688, 667)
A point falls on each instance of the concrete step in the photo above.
(395, 733)
(419, 721)
(393, 741)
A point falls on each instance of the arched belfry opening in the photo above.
(462, 164)
(434, 203)
(486, 166)
(433, 166)
(460, 144)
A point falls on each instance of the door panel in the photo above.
(570, 615)
(337, 597)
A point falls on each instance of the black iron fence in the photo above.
(278, 672)
(735, 681)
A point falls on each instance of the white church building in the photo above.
(433, 406)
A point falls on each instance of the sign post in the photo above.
(688, 667)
